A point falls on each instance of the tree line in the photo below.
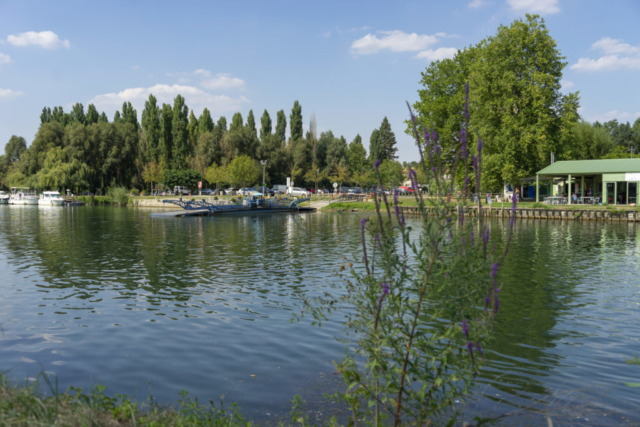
(83, 151)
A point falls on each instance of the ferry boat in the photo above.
(22, 196)
(4, 198)
(50, 198)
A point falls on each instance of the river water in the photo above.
(144, 305)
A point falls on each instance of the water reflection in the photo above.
(115, 296)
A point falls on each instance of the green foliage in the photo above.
(14, 148)
(165, 150)
(118, 195)
(375, 146)
(236, 123)
(387, 141)
(181, 177)
(216, 175)
(296, 122)
(180, 133)
(265, 125)
(152, 130)
(193, 130)
(391, 173)
(134, 192)
(281, 126)
(243, 171)
(251, 125)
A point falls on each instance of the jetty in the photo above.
(249, 206)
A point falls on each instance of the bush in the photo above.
(134, 192)
(143, 193)
(421, 302)
(215, 197)
(118, 195)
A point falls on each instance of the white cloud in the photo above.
(4, 59)
(534, 6)
(135, 67)
(6, 94)
(437, 54)
(621, 116)
(326, 34)
(195, 98)
(183, 80)
(618, 56)
(476, 4)
(607, 63)
(366, 27)
(44, 39)
(222, 81)
(615, 46)
(396, 41)
(566, 84)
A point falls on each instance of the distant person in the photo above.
(574, 197)
(589, 192)
(517, 194)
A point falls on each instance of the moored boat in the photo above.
(50, 198)
(4, 198)
(22, 196)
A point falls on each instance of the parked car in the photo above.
(279, 189)
(402, 190)
(247, 191)
(297, 191)
(180, 191)
(206, 192)
(230, 191)
(354, 190)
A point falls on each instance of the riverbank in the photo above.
(27, 405)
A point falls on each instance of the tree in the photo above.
(251, 124)
(356, 156)
(337, 153)
(519, 110)
(591, 142)
(116, 117)
(296, 122)
(77, 113)
(103, 118)
(152, 130)
(129, 115)
(45, 117)
(236, 123)
(152, 173)
(205, 122)
(243, 171)
(184, 178)
(92, 115)
(180, 133)
(193, 129)
(166, 136)
(216, 175)
(375, 147)
(391, 173)
(265, 125)
(387, 141)
(60, 171)
(281, 126)
(14, 149)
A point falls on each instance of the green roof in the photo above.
(592, 167)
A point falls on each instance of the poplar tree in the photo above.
(296, 122)
(151, 126)
(193, 130)
(205, 122)
(251, 124)
(265, 128)
(103, 118)
(180, 133)
(92, 115)
(77, 113)
(236, 123)
(166, 136)
(129, 115)
(281, 126)
(45, 117)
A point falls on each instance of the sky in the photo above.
(350, 62)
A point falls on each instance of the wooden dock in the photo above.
(236, 212)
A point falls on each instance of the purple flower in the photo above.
(465, 327)
(497, 304)
(363, 222)
(485, 236)
(463, 144)
(487, 300)
(376, 164)
(413, 118)
(385, 288)
(494, 270)
(472, 237)
(470, 347)
(464, 242)
(395, 196)
(479, 347)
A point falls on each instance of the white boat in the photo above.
(22, 196)
(50, 198)
(4, 198)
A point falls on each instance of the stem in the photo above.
(412, 334)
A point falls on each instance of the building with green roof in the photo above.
(613, 181)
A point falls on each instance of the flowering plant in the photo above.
(420, 302)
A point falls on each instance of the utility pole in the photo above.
(264, 164)
(317, 172)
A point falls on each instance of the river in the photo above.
(144, 305)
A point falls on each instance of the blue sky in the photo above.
(352, 63)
